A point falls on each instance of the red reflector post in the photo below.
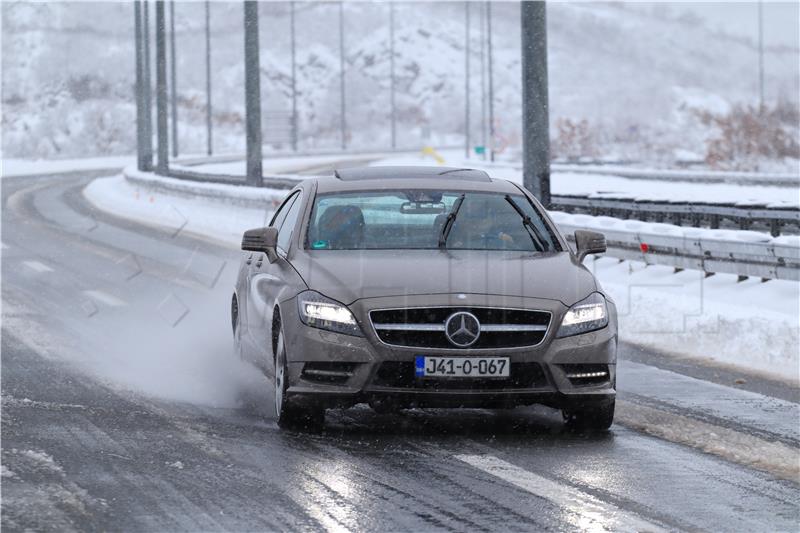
(644, 247)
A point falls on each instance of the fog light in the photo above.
(587, 375)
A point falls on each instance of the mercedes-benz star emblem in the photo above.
(462, 329)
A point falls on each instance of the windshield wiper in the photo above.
(448, 224)
(536, 237)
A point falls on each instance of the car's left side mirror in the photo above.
(264, 240)
(589, 242)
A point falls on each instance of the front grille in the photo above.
(424, 327)
(401, 375)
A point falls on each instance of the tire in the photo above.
(592, 418)
(238, 349)
(288, 414)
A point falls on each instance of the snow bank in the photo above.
(27, 167)
(221, 212)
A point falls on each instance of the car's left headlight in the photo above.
(587, 315)
(321, 312)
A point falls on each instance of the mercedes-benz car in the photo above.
(413, 287)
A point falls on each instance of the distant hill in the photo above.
(627, 82)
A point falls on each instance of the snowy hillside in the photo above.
(627, 82)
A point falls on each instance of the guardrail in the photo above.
(762, 256)
(776, 215)
(694, 176)
(770, 259)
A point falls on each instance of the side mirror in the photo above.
(264, 240)
(589, 242)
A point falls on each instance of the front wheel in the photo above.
(288, 414)
(592, 418)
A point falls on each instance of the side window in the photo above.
(280, 214)
(289, 223)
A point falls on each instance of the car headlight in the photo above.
(321, 312)
(585, 316)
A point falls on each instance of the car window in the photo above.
(289, 223)
(408, 219)
(283, 210)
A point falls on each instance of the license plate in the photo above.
(461, 367)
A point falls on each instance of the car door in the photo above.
(252, 317)
(267, 279)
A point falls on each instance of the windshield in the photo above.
(418, 219)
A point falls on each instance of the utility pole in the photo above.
(147, 122)
(392, 74)
(294, 77)
(466, 80)
(535, 114)
(137, 25)
(252, 94)
(482, 21)
(172, 76)
(342, 72)
(491, 81)
(209, 138)
(760, 56)
(162, 163)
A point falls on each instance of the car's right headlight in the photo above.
(321, 312)
(587, 315)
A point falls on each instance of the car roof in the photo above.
(410, 172)
(412, 177)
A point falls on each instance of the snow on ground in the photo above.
(28, 167)
(579, 183)
(563, 183)
(284, 164)
(204, 216)
(750, 324)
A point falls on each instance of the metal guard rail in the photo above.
(767, 260)
(708, 214)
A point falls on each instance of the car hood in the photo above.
(350, 275)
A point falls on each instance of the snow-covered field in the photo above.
(750, 324)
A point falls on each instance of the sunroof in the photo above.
(379, 173)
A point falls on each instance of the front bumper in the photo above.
(365, 356)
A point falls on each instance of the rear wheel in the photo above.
(592, 418)
(288, 413)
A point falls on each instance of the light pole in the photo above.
(535, 117)
(466, 80)
(252, 93)
(162, 163)
(482, 21)
(343, 118)
(209, 138)
(392, 74)
(491, 80)
(147, 124)
(760, 56)
(294, 76)
(173, 78)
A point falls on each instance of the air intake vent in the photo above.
(333, 373)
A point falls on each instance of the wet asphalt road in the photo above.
(123, 408)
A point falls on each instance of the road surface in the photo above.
(123, 408)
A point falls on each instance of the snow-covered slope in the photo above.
(635, 73)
